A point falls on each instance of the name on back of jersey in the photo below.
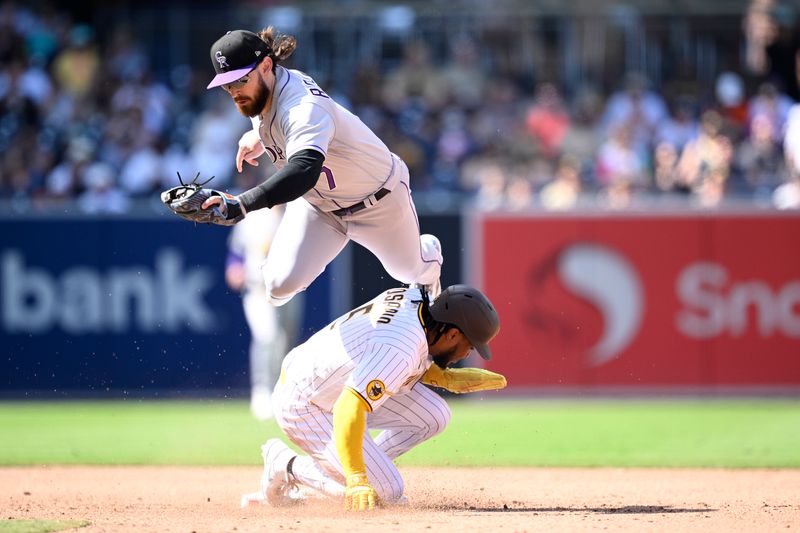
(390, 305)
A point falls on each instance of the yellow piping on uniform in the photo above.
(421, 320)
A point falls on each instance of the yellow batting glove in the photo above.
(359, 494)
(463, 380)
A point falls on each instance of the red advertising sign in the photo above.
(644, 300)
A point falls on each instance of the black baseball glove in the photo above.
(186, 201)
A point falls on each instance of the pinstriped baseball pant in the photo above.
(406, 420)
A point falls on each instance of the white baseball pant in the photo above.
(308, 239)
(406, 420)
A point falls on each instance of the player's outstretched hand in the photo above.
(359, 494)
(250, 149)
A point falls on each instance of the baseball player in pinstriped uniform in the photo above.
(338, 179)
(366, 371)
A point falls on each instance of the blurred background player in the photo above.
(272, 329)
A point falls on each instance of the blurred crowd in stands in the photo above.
(89, 125)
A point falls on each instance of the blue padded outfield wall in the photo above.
(123, 307)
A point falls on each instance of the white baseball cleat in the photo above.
(253, 497)
(278, 485)
(433, 289)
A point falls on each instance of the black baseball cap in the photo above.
(236, 54)
(472, 312)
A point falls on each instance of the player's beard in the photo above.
(443, 359)
(253, 106)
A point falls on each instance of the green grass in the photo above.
(39, 526)
(702, 433)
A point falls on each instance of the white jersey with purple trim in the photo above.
(302, 116)
(379, 350)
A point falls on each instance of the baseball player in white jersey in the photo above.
(366, 371)
(272, 329)
(338, 179)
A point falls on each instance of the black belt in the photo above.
(355, 208)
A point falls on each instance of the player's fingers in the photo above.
(253, 161)
(214, 200)
(240, 155)
(362, 502)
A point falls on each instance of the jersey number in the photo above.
(329, 174)
(363, 310)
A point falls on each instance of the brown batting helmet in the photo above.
(471, 311)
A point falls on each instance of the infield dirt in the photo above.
(169, 499)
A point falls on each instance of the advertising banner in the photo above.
(644, 300)
(123, 307)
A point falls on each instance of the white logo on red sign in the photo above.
(607, 280)
(715, 304)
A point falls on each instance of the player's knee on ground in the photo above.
(390, 490)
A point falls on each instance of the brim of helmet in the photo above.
(230, 77)
(483, 350)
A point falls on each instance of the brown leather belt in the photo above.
(355, 208)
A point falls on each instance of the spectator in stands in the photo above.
(620, 159)
(636, 107)
(215, 139)
(665, 175)
(463, 76)
(64, 181)
(731, 103)
(123, 134)
(126, 60)
(583, 139)
(772, 104)
(680, 126)
(76, 67)
(783, 52)
(454, 144)
(617, 195)
(496, 126)
(101, 195)
(760, 30)
(491, 182)
(140, 174)
(759, 159)
(709, 192)
(564, 191)
(519, 193)
(710, 153)
(548, 121)
(787, 195)
(415, 79)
